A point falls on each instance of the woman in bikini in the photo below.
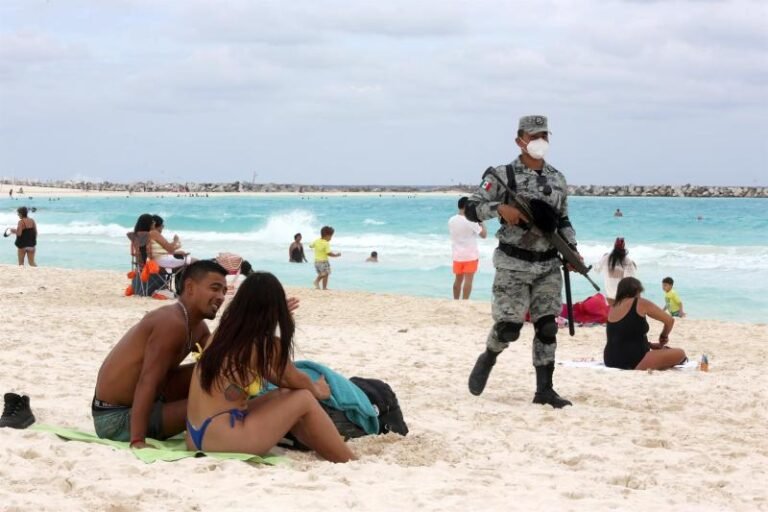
(26, 237)
(627, 328)
(253, 344)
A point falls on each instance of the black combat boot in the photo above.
(16, 412)
(479, 376)
(544, 392)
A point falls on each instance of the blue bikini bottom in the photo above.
(198, 434)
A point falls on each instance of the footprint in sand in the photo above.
(651, 443)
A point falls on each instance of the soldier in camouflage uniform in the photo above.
(527, 265)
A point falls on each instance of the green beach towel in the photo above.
(168, 450)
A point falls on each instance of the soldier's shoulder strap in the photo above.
(511, 181)
(510, 175)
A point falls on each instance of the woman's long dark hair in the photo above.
(244, 347)
(628, 288)
(618, 254)
(143, 223)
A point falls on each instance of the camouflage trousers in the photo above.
(515, 293)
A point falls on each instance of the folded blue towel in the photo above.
(345, 396)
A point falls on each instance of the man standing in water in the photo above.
(466, 255)
(527, 264)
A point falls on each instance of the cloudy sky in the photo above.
(391, 92)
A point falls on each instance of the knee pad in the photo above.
(546, 329)
(507, 331)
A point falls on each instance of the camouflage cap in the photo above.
(533, 124)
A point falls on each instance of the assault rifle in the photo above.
(568, 255)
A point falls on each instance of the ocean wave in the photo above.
(687, 256)
(192, 216)
(279, 230)
(9, 218)
(411, 250)
(719, 263)
(84, 228)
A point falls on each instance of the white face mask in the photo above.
(537, 148)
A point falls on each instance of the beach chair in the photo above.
(146, 276)
(232, 263)
(173, 276)
(139, 253)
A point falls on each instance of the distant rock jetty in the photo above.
(239, 186)
(667, 191)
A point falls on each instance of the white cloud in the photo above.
(26, 51)
(431, 68)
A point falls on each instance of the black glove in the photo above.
(544, 216)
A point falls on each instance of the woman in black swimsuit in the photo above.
(628, 347)
(26, 237)
(296, 250)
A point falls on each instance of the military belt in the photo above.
(522, 254)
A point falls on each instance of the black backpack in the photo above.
(384, 399)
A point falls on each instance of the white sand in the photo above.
(675, 440)
(35, 191)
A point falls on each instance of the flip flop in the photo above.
(7, 232)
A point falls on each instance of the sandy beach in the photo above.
(58, 192)
(674, 440)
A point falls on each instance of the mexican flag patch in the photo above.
(486, 185)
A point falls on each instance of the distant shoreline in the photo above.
(106, 189)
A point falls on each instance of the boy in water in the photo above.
(322, 247)
(672, 302)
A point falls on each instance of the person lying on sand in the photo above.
(253, 344)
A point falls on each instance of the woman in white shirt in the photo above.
(615, 266)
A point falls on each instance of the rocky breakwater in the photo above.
(239, 186)
(667, 191)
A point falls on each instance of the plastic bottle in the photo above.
(704, 363)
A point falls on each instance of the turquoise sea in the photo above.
(715, 249)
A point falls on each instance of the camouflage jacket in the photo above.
(485, 201)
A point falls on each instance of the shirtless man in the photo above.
(142, 387)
